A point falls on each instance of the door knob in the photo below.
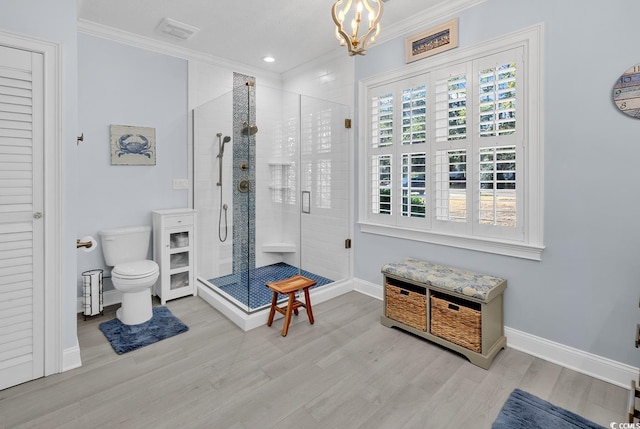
(37, 215)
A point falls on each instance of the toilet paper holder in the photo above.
(87, 244)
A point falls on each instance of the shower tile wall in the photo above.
(277, 152)
(244, 109)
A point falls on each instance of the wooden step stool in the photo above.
(289, 287)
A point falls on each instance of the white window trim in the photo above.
(532, 245)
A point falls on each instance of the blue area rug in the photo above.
(523, 410)
(125, 338)
(256, 294)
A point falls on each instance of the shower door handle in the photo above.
(306, 202)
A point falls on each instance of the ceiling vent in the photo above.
(179, 30)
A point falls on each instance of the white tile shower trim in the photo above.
(246, 322)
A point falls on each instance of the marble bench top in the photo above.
(480, 286)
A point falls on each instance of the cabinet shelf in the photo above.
(179, 270)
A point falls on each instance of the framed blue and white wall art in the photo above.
(133, 145)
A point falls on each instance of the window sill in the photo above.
(507, 248)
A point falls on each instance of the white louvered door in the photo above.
(21, 224)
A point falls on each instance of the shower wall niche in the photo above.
(272, 201)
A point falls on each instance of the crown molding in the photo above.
(337, 54)
(427, 17)
(121, 36)
(418, 21)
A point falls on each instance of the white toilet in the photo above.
(126, 249)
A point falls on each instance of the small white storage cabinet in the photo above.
(174, 244)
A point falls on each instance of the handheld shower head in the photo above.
(221, 143)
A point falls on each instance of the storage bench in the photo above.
(457, 309)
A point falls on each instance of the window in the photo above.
(453, 153)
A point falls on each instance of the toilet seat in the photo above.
(135, 270)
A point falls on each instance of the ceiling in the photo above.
(245, 31)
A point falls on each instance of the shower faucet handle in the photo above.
(243, 186)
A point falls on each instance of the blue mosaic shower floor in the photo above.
(236, 284)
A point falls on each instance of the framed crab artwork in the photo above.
(133, 145)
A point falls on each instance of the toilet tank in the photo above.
(126, 244)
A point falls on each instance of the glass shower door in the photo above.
(324, 190)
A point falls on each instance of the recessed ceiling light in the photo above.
(268, 59)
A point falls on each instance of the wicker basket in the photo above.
(455, 321)
(406, 304)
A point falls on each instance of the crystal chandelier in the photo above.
(358, 39)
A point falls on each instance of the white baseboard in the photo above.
(599, 367)
(71, 358)
(587, 363)
(373, 290)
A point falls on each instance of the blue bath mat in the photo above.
(125, 338)
(523, 410)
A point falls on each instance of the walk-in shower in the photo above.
(271, 172)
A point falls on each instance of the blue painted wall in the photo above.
(585, 291)
(123, 85)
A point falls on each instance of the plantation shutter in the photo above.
(381, 134)
(453, 140)
(498, 124)
(469, 123)
(412, 158)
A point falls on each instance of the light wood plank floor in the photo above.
(346, 371)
